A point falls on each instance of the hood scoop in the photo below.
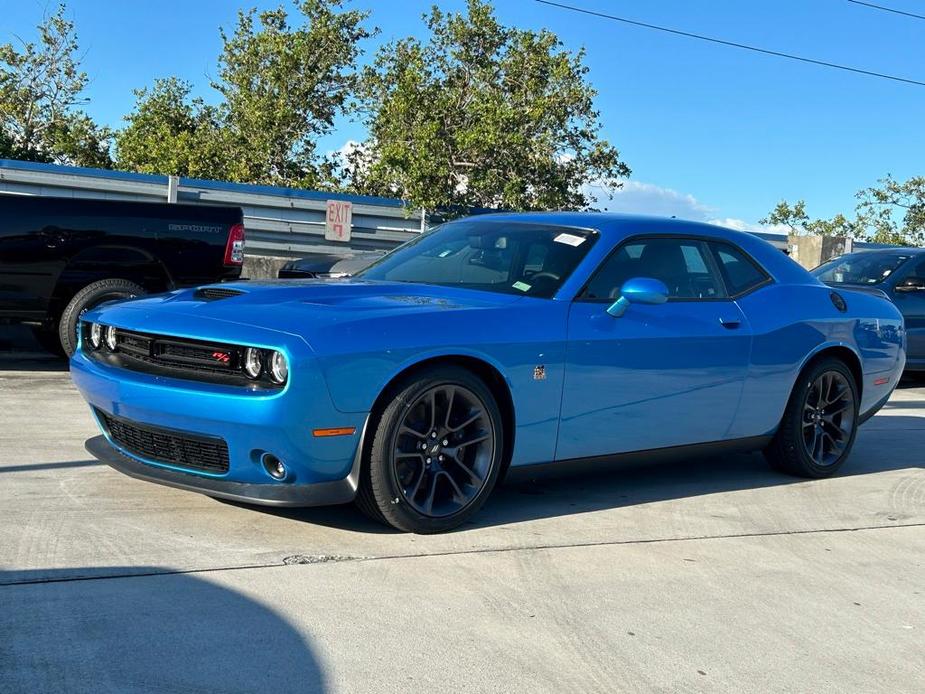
(215, 293)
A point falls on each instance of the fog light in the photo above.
(274, 466)
(279, 369)
(253, 365)
(96, 335)
(111, 338)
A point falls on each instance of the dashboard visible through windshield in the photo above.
(496, 256)
(860, 268)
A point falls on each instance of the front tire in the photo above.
(88, 297)
(817, 431)
(436, 452)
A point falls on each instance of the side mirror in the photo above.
(639, 290)
(911, 284)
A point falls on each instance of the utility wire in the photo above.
(888, 9)
(731, 43)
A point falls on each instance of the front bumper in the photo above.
(320, 470)
(280, 495)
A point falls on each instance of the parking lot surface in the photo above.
(711, 575)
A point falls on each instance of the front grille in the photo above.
(167, 446)
(215, 293)
(179, 357)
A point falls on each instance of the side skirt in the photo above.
(697, 451)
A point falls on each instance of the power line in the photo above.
(743, 46)
(888, 9)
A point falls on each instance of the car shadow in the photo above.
(19, 351)
(552, 491)
(158, 631)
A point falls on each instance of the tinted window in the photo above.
(860, 268)
(514, 258)
(739, 271)
(681, 264)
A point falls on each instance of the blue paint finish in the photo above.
(657, 376)
(677, 373)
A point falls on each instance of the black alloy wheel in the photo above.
(828, 418)
(818, 428)
(443, 450)
(436, 452)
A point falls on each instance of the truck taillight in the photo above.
(234, 249)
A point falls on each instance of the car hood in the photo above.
(305, 306)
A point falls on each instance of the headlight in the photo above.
(96, 335)
(111, 338)
(279, 369)
(253, 365)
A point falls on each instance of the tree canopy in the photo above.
(891, 212)
(481, 115)
(41, 90)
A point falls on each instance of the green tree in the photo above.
(481, 115)
(41, 86)
(170, 132)
(894, 211)
(796, 219)
(283, 86)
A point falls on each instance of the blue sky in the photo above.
(710, 132)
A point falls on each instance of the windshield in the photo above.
(860, 268)
(495, 256)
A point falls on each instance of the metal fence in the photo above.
(283, 222)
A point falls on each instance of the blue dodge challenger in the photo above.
(487, 343)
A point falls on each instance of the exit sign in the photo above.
(338, 220)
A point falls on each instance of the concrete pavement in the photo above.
(714, 576)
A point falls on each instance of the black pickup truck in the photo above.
(62, 256)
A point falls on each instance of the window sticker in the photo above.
(522, 286)
(570, 239)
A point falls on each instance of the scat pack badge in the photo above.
(539, 373)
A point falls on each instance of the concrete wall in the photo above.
(811, 251)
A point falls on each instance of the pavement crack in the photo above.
(299, 559)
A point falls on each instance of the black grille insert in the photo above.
(206, 453)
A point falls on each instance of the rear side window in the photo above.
(740, 273)
(682, 264)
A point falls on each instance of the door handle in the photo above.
(730, 323)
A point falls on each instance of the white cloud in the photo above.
(742, 225)
(637, 197)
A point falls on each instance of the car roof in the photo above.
(614, 227)
(617, 223)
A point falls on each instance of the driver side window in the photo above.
(682, 264)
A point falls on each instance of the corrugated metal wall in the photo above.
(279, 221)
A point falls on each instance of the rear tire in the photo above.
(436, 452)
(817, 431)
(88, 297)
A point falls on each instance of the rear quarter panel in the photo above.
(793, 323)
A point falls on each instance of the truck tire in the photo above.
(88, 297)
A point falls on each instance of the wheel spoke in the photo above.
(405, 429)
(417, 485)
(458, 492)
(477, 439)
(472, 418)
(429, 504)
(433, 410)
(413, 454)
(469, 471)
(449, 406)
